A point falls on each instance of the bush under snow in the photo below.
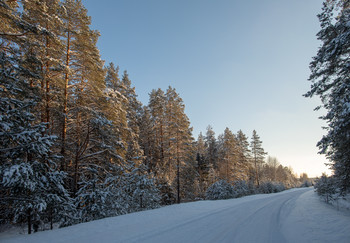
(220, 190)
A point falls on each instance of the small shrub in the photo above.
(241, 188)
(220, 190)
(271, 187)
(306, 184)
(326, 188)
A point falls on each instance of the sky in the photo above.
(236, 63)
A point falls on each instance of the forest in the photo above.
(77, 145)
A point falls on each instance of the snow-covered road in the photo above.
(295, 215)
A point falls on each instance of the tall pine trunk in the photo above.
(178, 169)
(256, 171)
(65, 101)
(47, 85)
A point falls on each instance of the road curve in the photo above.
(260, 220)
(296, 215)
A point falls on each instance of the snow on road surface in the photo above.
(295, 215)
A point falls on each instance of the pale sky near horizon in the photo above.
(236, 63)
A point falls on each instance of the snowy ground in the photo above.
(295, 215)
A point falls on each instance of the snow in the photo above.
(296, 215)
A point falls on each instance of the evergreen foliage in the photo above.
(326, 187)
(220, 190)
(32, 188)
(330, 81)
(271, 187)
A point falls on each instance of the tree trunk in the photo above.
(178, 169)
(29, 220)
(256, 172)
(51, 219)
(76, 160)
(178, 181)
(65, 101)
(47, 83)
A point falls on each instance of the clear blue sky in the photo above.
(236, 63)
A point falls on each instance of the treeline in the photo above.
(77, 145)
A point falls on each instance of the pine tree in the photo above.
(133, 113)
(156, 106)
(72, 23)
(228, 156)
(330, 81)
(147, 140)
(32, 187)
(48, 50)
(203, 166)
(88, 141)
(244, 156)
(211, 143)
(116, 109)
(180, 139)
(258, 155)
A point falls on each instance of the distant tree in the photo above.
(303, 177)
(271, 168)
(258, 155)
(228, 156)
(330, 81)
(202, 164)
(211, 144)
(147, 140)
(244, 156)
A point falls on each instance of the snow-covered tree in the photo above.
(242, 188)
(202, 166)
(258, 155)
(228, 156)
(211, 143)
(141, 190)
(48, 51)
(156, 106)
(244, 156)
(134, 111)
(220, 190)
(330, 77)
(179, 135)
(326, 187)
(31, 187)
